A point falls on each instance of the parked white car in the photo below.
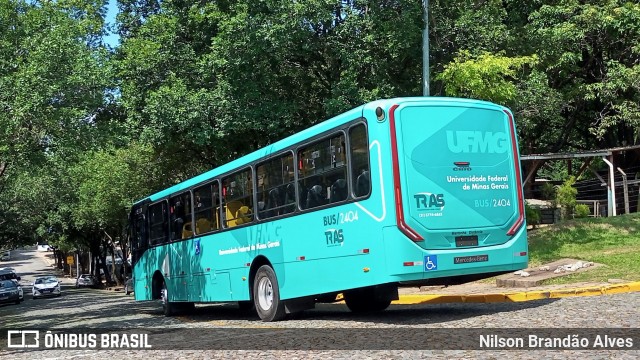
(86, 280)
(44, 247)
(5, 256)
(46, 286)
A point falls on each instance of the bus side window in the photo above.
(323, 172)
(158, 224)
(180, 215)
(206, 205)
(237, 199)
(274, 177)
(360, 172)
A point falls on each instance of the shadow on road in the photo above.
(83, 308)
(426, 314)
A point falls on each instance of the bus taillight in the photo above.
(397, 190)
(514, 146)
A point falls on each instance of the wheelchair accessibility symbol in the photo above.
(430, 263)
(197, 246)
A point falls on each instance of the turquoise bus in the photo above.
(421, 190)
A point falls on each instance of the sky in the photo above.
(112, 39)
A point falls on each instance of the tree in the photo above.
(53, 79)
(107, 182)
(196, 84)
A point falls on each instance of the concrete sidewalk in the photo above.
(517, 286)
(478, 292)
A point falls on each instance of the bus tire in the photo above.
(266, 295)
(167, 306)
(364, 300)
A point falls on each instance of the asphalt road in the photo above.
(329, 331)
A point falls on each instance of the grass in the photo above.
(612, 241)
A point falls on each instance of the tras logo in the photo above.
(429, 201)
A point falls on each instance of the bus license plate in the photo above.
(467, 240)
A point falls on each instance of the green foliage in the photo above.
(486, 76)
(548, 191)
(566, 197)
(589, 50)
(108, 182)
(53, 79)
(532, 215)
(538, 109)
(196, 84)
(215, 81)
(582, 211)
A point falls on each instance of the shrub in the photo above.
(548, 191)
(532, 215)
(582, 211)
(566, 197)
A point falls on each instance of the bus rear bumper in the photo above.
(410, 262)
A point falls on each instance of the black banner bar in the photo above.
(322, 339)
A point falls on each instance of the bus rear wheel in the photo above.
(365, 300)
(266, 295)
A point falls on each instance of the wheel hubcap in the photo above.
(163, 297)
(265, 294)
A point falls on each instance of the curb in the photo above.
(410, 299)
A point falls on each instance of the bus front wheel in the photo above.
(266, 295)
(167, 306)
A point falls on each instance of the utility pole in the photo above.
(425, 49)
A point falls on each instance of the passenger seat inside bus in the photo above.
(273, 203)
(362, 184)
(202, 226)
(315, 197)
(243, 215)
(187, 230)
(231, 210)
(289, 198)
(339, 190)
